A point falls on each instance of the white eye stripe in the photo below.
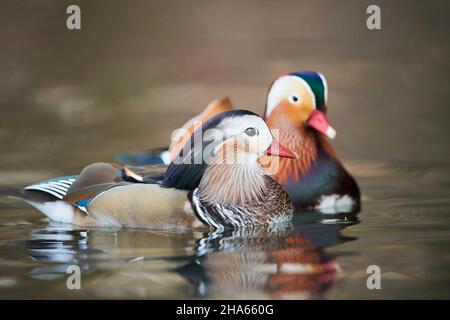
(236, 127)
(278, 91)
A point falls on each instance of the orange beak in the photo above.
(276, 149)
(319, 121)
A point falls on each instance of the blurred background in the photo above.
(135, 71)
(139, 69)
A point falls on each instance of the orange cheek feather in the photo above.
(296, 114)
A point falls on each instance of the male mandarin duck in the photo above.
(296, 109)
(202, 190)
(181, 136)
(296, 113)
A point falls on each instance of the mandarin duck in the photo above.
(181, 136)
(295, 110)
(218, 183)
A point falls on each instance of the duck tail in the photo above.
(15, 192)
(26, 195)
(54, 208)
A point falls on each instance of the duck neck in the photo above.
(237, 184)
(308, 144)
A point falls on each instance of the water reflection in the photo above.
(58, 247)
(277, 263)
(288, 261)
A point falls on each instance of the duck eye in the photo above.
(294, 98)
(251, 132)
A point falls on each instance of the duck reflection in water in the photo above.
(283, 262)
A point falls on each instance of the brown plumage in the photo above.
(232, 178)
(273, 206)
(296, 139)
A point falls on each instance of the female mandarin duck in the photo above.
(296, 110)
(217, 184)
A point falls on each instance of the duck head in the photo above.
(302, 98)
(238, 137)
(229, 139)
(227, 186)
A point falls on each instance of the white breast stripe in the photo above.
(202, 214)
(57, 188)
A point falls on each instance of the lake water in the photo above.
(403, 228)
(136, 72)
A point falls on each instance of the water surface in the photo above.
(403, 228)
(137, 71)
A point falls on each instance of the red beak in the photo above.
(319, 121)
(276, 149)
